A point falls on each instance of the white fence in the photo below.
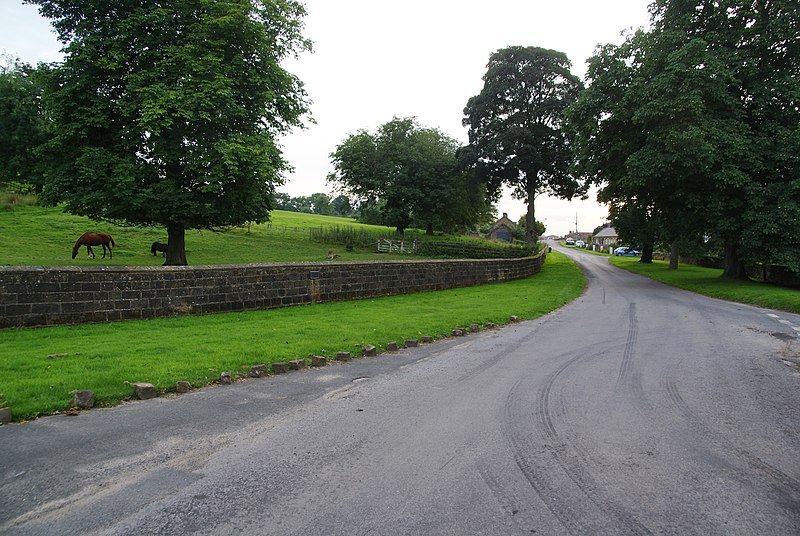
(396, 246)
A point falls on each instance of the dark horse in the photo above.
(92, 239)
(158, 246)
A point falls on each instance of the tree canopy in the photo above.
(22, 125)
(407, 174)
(167, 113)
(515, 124)
(691, 130)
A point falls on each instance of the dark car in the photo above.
(625, 251)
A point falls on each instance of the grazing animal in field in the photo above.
(158, 246)
(332, 255)
(94, 239)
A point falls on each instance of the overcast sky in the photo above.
(375, 60)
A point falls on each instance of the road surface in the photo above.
(636, 409)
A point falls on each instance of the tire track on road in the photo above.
(577, 502)
(630, 377)
(788, 482)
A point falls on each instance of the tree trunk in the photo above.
(673, 256)
(647, 253)
(734, 267)
(176, 247)
(530, 219)
(429, 229)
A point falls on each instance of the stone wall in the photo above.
(38, 296)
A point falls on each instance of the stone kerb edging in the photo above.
(84, 399)
(38, 296)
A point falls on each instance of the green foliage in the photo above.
(656, 128)
(351, 236)
(515, 123)
(167, 113)
(22, 126)
(10, 202)
(101, 357)
(691, 130)
(406, 175)
(467, 250)
(318, 203)
(519, 231)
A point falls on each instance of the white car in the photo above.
(570, 242)
(580, 244)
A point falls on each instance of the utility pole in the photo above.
(576, 224)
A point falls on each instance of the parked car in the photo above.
(580, 244)
(570, 241)
(625, 251)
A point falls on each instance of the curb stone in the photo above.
(144, 391)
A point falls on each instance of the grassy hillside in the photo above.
(38, 236)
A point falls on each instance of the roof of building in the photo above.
(504, 221)
(579, 236)
(607, 232)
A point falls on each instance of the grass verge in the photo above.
(102, 357)
(707, 281)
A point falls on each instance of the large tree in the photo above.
(515, 126)
(755, 212)
(695, 123)
(656, 129)
(167, 113)
(22, 125)
(407, 174)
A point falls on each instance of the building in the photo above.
(579, 236)
(502, 229)
(606, 237)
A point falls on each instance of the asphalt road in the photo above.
(637, 409)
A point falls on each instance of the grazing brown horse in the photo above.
(92, 239)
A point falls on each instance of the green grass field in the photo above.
(44, 236)
(102, 357)
(707, 281)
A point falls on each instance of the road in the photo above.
(636, 409)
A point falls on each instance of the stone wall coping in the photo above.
(213, 267)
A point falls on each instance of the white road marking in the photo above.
(784, 321)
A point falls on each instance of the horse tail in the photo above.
(112, 241)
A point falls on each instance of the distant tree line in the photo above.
(318, 203)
